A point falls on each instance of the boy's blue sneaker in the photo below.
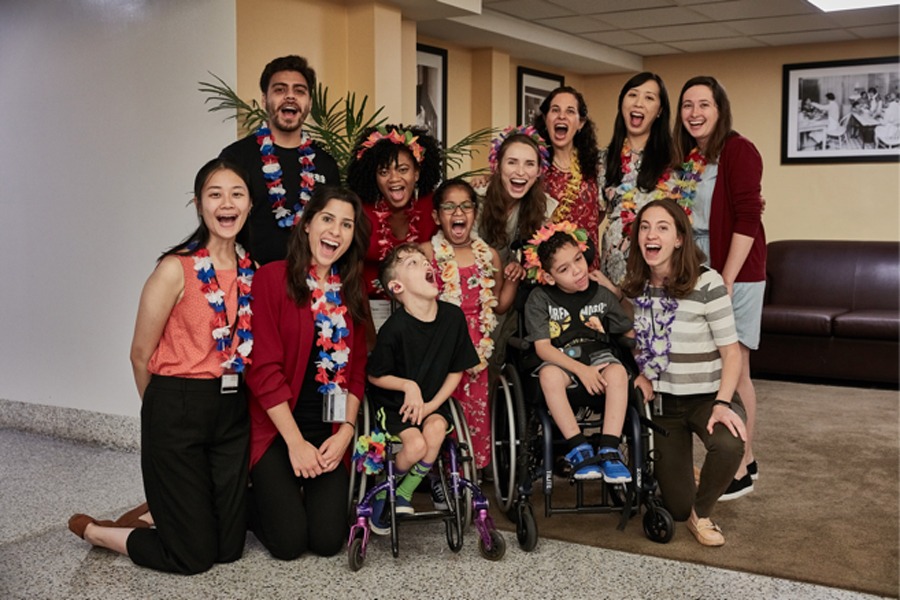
(375, 524)
(580, 454)
(403, 506)
(614, 469)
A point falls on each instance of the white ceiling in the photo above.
(603, 36)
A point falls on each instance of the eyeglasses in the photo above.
(449, 208)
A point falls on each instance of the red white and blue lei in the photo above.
(333, 331)
(221, 330)
(654, 357)
(272, 172)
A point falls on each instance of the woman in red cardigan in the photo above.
(309, 353)
(720, 180)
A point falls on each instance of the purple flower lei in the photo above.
(654, 357)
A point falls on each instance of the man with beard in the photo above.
(282, 162)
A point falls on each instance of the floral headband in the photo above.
(533, 262)
(528, 131)
(396, 136)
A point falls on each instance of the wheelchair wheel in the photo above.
(358, 481)
(497, 549)
(395, 534)
(659, 526)
(354, 553)
(466, 459)
(454, 524)
(507, 424)
(526, 531)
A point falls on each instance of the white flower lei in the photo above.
(445, 257)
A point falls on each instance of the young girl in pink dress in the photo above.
(471, 278)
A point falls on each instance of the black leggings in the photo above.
(291, 514)
(195, 451)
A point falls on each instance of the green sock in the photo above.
(398, 475)
(412, 479)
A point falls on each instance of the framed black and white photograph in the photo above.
(533, 87)
(844, 111)
(431, 90)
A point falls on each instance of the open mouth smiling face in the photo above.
(519, 169)
(699, 113)
(563, 120)
(224, 204)
(397, 182)
(456, 224)
(640, 108)
(287, 102)
(658, 237)
(331, 232)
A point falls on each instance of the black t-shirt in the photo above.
(268, 240)
(423, 352)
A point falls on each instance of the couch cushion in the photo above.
(799, 320)
(868, 324)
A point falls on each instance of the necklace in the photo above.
(332, 328)
(483, 278)
(221, 329)
(685, 192)
(571, 193)
(286, 217)
(655, 347)
(627, 190)
(382, 212)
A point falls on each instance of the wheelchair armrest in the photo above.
(519, 343)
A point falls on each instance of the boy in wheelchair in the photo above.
(418, 361)
(569, 321)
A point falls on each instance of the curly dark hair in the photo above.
(532, 206)
(299, 255)
(585, 140)
(288, 63)
(659, 151)
(547, 249)
(361, 171)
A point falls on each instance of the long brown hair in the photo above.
(299, 254)
(685, 142)
(532, 206)
(687, 261)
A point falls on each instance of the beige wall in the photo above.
(858, 201)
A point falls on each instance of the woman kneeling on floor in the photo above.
(690, 363)
(192, 341)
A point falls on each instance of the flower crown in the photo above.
(526, 130)
(395, 136)
(533, 262)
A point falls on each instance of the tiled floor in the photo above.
(44, 480)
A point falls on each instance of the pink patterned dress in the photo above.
(472, 392)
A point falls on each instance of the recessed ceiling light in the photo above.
(833, 5)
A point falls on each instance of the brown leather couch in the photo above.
(832, 310)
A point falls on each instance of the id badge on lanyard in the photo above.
(230, 383)
(334, 406)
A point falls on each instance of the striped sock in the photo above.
(412, 479)
(398, 476)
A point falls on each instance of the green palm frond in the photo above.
(248, 116)
(467, 148)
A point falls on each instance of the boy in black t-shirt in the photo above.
(569, 323)
(418, 360)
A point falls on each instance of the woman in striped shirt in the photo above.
(690, 363)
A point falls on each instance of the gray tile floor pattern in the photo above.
(44, 480)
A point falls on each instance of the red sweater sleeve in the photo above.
(745, 169)
(267, 377)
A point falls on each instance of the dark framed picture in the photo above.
(431, 90)
(533, 86)
(845, 111)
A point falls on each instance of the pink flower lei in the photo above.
(332, 328)
(533, 262)
(526, 130)
(382, 212)
(445, 257)
(221, 330)
(286, 217)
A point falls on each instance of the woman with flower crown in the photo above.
(470, 276)
(690, 364)
(719, 178)
(307, 378)
(635, 167)
(572, 179)
(394, 169)
(192, 343)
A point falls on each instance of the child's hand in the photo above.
(412, 403)
(514, 272)
(592, 378)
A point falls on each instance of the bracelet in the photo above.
(722, 402)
